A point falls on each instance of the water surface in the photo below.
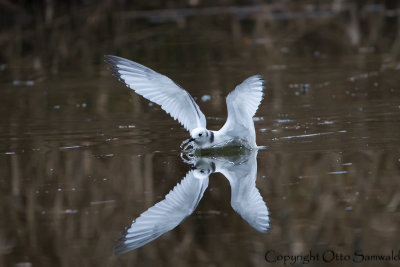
(81, 155)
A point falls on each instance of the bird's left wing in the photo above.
(179, 203)
(159, 89)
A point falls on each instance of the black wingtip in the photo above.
(122, 239)
(114, 68)
(117, 75)
(262, 80)
(110, 59)
(120, 249)
(260, 77)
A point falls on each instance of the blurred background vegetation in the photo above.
(60, 34)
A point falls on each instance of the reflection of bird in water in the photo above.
(241, 171)
(180, 202)
(242, 103)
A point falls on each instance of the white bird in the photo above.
(180, 202)
(242, 103)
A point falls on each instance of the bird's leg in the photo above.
(186, 147)
(188, 158)
(188, 151)
(185, 142)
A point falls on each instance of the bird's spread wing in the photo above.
(242, 105)
(252, 208)
(159, 89)
(246, 199)
(179, 203)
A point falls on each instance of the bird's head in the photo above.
(199, 135)
(203, 167)
(201, 173)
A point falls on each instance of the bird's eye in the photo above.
(200, 134)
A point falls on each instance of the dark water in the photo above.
(81, 155)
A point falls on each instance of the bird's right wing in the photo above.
(159, 89)
(242, 105)
(252, 208)
(179, 203)
(246, 200)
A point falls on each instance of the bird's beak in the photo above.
(191, 139)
